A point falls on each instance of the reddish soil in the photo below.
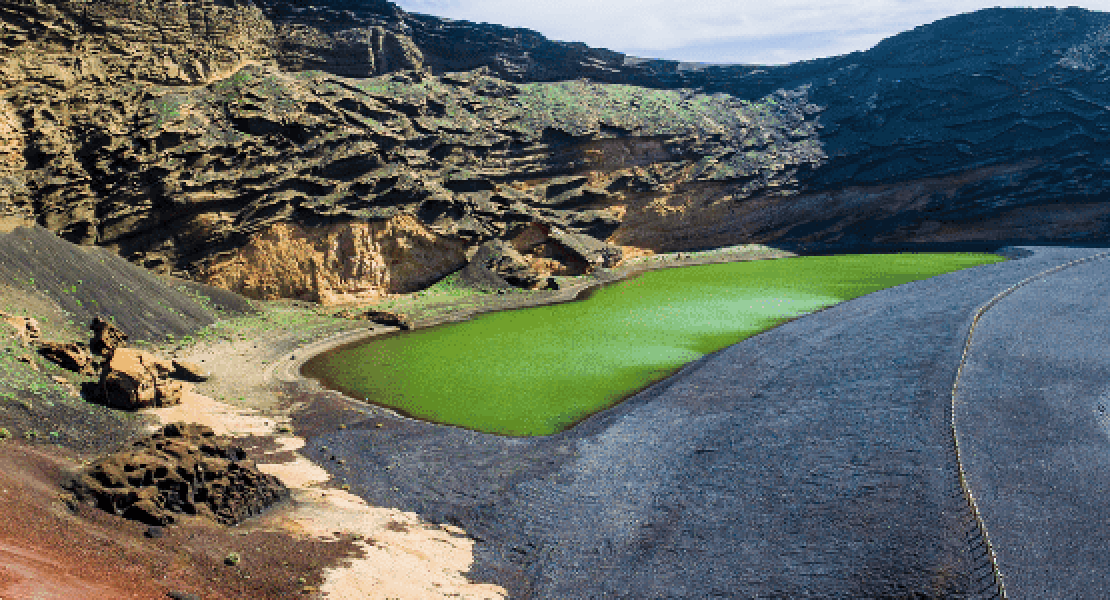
(49, 551)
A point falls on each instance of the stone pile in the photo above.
(130, 379)
(184, 469)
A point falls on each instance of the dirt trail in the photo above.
(1031, 411)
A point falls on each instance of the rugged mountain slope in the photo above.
(342, 150)
(987, 125)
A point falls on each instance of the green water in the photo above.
(537, 371)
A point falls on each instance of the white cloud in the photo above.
(750, 31)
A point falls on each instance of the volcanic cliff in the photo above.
(335, 150)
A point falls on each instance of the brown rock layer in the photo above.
(336, 263)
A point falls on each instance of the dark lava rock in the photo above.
(381, 317)
(106, 337)
(72, 355)
(184, 469)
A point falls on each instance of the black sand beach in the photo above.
(813, 460)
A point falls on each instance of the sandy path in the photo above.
(404, 555)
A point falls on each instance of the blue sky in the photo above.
(722, 31)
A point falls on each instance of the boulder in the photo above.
(599, 254)
(385, 317)
(189, 371)
(27, 330)
(171, 392)
(183, 469)
(72, 355)
(106, 337)
(133, 379)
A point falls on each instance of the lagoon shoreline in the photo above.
(452, 475)
(349, 458)
(257, 379)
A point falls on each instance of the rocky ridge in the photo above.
(339, 151)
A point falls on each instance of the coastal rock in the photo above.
(106, 337)
(182, 469)
(504, 261)
(69, 355)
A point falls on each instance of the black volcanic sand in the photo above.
(1033, 411)
(814, 460)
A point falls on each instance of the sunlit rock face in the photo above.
(338, 263)
(189, 135)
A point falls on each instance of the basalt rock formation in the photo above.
(338, 151)
(182, 469)
(70, 355)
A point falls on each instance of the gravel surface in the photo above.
(1033, 412)
(814, 460)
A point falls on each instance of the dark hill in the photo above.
(341, 150)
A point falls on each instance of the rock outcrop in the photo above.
(106, 337)
(133, 379)
(27, 329)
(190, 371)
(70, 355)
(504, 261)
(184, 469)
(336, 263)
(381, 317)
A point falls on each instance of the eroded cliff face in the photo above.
(196, 135)
(349, 262)
(214, 169)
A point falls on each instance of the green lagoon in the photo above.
(537, 371)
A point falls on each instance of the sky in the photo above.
(716, 31)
